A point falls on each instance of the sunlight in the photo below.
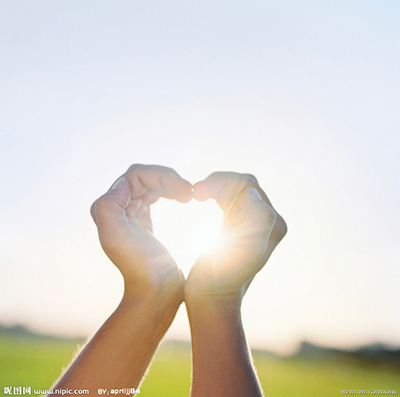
(186, 230)
(202, 237)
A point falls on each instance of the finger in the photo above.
(226, 188)
(150, 182)
(118, 196)
(109, 211)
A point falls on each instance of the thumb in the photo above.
(113, 203)
(121, 192)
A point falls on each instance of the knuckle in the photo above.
(135, 167)
(250, 178)
(219, 177)
(166, 169)
(280, 228)
(101, 205)
(161, 170)
(218, 174)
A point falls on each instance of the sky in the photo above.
(304, 95)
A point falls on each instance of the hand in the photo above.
(122, 216)
(251, 231)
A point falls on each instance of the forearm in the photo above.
(120, 352)
(222, 364)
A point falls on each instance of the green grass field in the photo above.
(37, 362)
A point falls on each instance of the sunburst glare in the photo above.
(186, 230)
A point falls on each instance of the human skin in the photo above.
(120, 352)
(216, 285)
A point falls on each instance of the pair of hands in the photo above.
(250, 232)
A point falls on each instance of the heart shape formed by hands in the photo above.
(251, 229)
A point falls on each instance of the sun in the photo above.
(186, 230)
(201, 237)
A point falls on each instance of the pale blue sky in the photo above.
(305, 95)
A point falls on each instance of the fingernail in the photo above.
(254, 192)
(119, 183)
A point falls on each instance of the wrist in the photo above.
(213, 299)
(165, 285)
(158, 305)
(211, 307)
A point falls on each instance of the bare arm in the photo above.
(119, 353)
(216, 285)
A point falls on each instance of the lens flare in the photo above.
(186, 230)
(201, 237)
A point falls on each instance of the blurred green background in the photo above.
(33, 360)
